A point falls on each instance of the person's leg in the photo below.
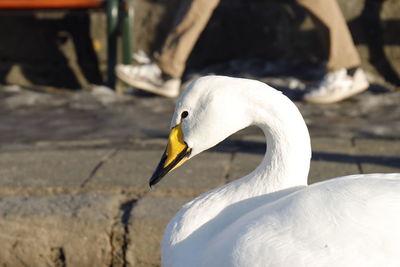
(190, 22)
(163, 76)
(342, 51)
(344, 78)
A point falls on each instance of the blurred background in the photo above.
(68, 49)
(77, 146)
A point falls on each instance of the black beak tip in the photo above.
(153, 182)
(161, 171)
(155, 178)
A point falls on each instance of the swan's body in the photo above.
(271, 217)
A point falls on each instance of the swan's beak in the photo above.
(176, 153)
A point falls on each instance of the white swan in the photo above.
(271, 217)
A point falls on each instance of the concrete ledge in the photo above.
(58, 230)
(148, 221)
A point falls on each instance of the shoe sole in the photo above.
(145, 86)
(335, 100)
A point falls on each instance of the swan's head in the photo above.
(210, 109)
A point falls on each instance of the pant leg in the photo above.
(190, 22)
(342, 51)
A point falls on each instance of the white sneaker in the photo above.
(148, 77)
(338, 85)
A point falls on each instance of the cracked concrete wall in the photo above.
(58, 230)
(86, 229)
(49, 218)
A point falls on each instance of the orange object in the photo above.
(39, 4)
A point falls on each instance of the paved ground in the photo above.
(74, 169)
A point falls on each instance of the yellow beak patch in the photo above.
(175, 146)
(175, 155)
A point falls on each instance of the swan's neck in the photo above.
(285, 165)
(287, 159)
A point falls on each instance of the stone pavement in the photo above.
(74, 169)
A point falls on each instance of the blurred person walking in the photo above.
(162, 76)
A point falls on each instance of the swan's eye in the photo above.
(184, 114)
